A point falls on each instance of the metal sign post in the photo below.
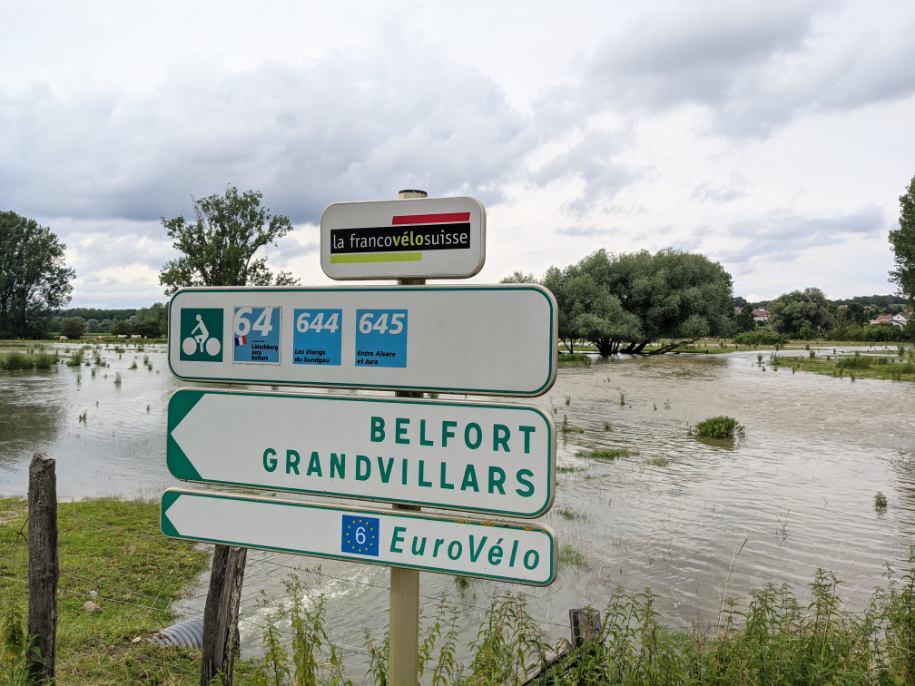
(403, 620)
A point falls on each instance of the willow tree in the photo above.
(903, 242)
(622, 303)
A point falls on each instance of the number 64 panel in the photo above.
(464, 339)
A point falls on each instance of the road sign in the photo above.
(496, 340)
(392, 239)
(502, 551)
(494, 459)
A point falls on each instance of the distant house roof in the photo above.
(892, 319)
(761, 314)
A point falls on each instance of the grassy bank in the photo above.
(888, 367)
(717, 346)
(119, 574)
(113, 556)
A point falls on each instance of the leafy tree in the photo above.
(34, 277)
(219, 248)
(903, 242)
(801, 314)
(519, 277)
(92, 325)
(73, 327)
(624, 302)
(744, 321)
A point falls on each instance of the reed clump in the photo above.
(718, 427)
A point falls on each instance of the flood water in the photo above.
(695, 521)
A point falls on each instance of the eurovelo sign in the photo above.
(494, 340)
(502, 551)
(486, 458)
(428, 238)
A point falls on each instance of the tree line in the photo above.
(149, 322)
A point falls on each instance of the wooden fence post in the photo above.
(220, 615)
(585, 625)
(43, 570)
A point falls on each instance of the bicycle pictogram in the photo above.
(201, 335)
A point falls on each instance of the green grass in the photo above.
(771, 638)
(718, 427)
(567, 428)
(567, 513)
(112, 553)
(606, 453)
(659, 461)
(774, 638)
(570, 556)
(568, 469)
(574, 360)
(886, 367)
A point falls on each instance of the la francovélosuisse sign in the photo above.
(501, 551)
(429, 238)
(494, 459)
(496, 340)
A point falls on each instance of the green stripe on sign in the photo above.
(378, 257)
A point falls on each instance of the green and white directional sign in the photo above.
(495, 459)
(498, 340)
(502, 551)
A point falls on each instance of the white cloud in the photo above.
(754, 132)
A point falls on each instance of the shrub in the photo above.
(718, 427)
(760, 337)
(880, 501)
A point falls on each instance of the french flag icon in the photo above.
(241, 340)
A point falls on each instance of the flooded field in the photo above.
(695, 521)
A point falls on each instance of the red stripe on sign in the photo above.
(431, 218)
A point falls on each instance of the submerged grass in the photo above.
(899, 368)
(568, 469)
(606, 453)
(574, 360)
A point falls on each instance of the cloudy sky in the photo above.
(774, 137)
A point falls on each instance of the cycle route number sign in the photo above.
(494, 340)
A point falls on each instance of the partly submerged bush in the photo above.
(17, 360)
(718, 427)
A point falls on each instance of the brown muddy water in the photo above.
(696, 521)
